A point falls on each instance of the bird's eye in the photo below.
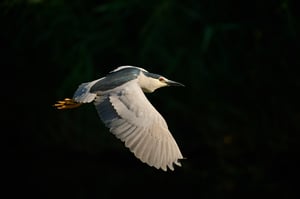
(161, 79)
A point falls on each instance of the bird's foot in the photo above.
(67, 103)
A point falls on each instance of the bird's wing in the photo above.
(132, 118)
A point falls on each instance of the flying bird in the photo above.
(123, 107)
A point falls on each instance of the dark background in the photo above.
(237, 120)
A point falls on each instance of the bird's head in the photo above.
(149, 82)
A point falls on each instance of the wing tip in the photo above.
(169, 166)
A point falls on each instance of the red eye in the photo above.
(161, 79)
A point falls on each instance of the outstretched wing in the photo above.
(132, 119)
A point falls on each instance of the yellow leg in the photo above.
(67, 103)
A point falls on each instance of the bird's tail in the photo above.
(67, 103)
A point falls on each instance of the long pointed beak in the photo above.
(173, 83)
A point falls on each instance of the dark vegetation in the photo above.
(237, 120)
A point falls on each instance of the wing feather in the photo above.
(134, 139)
(139, 148)
(145, 149)
(170, 156)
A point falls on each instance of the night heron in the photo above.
(125, 110)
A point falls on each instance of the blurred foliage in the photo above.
(236, 120)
